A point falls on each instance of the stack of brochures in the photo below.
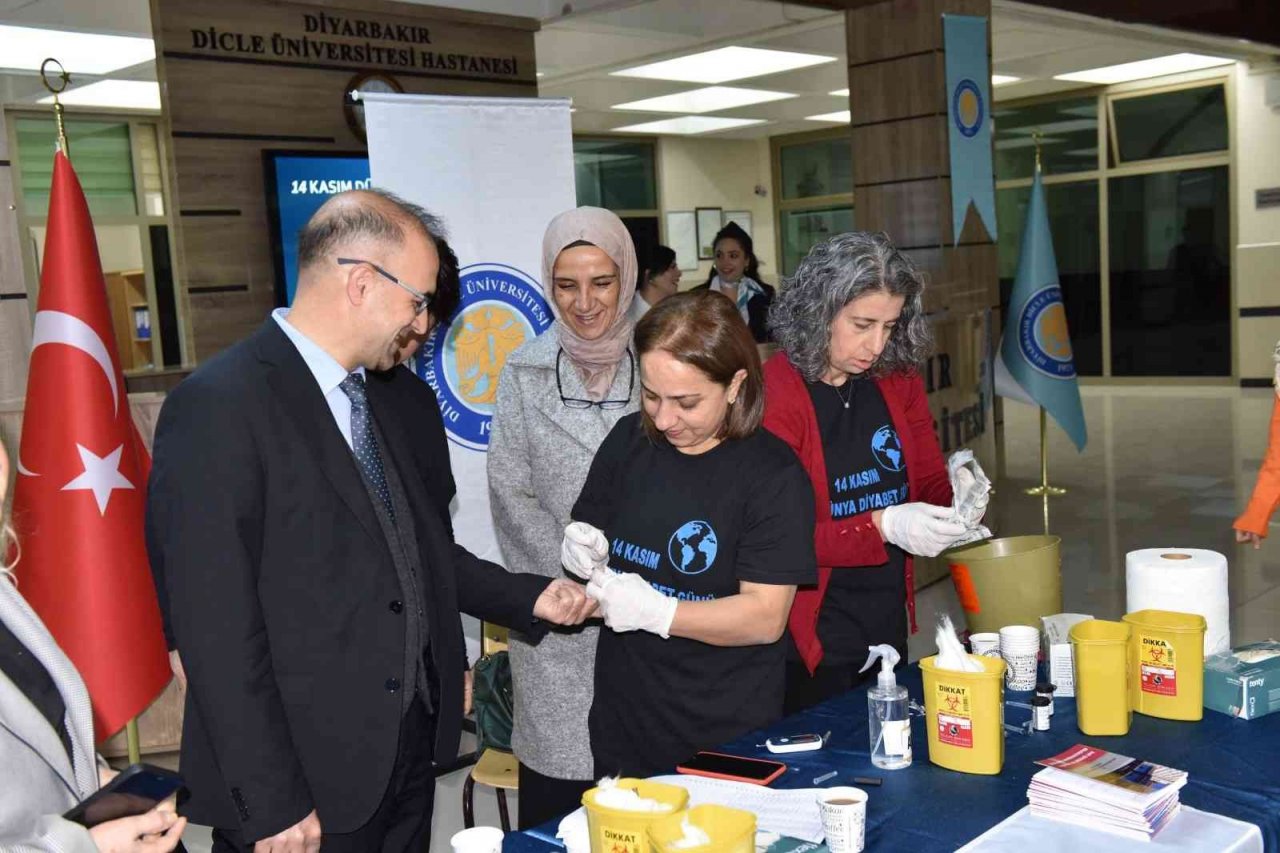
(1114, 793)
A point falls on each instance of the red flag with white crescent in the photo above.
(80, 497)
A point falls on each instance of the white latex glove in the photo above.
(628, 603)
(583, 549)
(920, 528)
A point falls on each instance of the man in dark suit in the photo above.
(298, 514)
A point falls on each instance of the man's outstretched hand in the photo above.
(564, 602)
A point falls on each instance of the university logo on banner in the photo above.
(1042, 334)
(501, 308)
(967, 109)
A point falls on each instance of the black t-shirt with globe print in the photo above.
(864, 605)
(693, 527)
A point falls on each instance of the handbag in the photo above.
(493, 702)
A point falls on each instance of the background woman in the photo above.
(558, 397)
(736, 274)
(1252, 524)
(46, 739)
(710, 529)
(845, 392)
(659, 278)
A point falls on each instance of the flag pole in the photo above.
(57, 86)
(1044, 489)
(63, 79)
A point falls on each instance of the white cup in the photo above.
(844, 818)
(985, 644)
(1020, 671)
(1019, 638)
(477, 839)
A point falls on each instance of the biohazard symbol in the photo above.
(953, 703)
(1157, 654)
(620, 848)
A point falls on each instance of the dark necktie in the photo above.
(363, 441)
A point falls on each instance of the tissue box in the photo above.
(1244, 682)
(1055, 648)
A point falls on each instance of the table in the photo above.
(1234, 768)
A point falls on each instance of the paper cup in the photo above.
(1020, 671)
(985, 644)
(1019, 638)
(477, 839)
(844, 818)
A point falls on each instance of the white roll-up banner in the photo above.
(496, 170)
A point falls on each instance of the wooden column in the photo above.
(902, 186)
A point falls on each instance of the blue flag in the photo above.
(969, 121)
(1035, 364)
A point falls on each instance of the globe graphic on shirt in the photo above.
(693, 547)
(887, 449)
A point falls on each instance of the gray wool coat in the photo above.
(540, 451)
(38, 782)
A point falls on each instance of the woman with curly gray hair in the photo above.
(844, 390)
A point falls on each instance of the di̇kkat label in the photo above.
(1158, 669)
(955, 715)
(619, 841)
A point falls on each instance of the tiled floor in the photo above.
(1165, 466)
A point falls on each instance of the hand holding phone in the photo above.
(136, 790)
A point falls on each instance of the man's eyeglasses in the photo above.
(421, 301)
(605, 405)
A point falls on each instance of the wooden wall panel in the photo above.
(234, 85)
(899, 150)
(914, 213)
(900, 88)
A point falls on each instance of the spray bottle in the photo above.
(888, 715)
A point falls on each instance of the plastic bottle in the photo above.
(888, 716)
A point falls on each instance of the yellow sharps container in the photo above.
(1166, 651)
(619, 831)
(1100, 650)
(730, 830)
(964, 715)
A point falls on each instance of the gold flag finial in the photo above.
(59, 85)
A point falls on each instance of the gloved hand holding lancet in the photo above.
(921, 528)
(584, 549)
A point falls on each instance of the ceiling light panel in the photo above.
(840, 93)
(1003, 79)
(1176, 63)
(706, 100)
(840, 117)
(689, 125)
(725, 64)
(25, 48)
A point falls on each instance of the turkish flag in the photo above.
(78, 504)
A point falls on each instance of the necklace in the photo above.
(836, 388)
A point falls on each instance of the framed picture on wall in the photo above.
(742, 217)
(708, 225)
(682, 238)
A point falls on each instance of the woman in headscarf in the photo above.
(736, 274)
(559, 395)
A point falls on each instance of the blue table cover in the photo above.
(1234, 768)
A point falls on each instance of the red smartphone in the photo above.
(718, 765)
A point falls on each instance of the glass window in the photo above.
(1073, 221)
(1070, 142)
(1171, 273)
(615, 174)
(1169, 124)
(100, 152)
(821, 168)
(801, 229)
(149, 166)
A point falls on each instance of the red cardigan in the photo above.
(852, 541)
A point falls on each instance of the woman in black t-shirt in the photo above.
(708, 529)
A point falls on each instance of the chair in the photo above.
(499, 770)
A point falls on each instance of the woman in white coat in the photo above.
(46, 739)
(558, 397)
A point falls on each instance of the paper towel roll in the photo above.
(1186, 580)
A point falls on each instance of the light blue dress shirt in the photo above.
(327, 371)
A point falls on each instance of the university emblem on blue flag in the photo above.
(1035, 363)
(969, 121)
